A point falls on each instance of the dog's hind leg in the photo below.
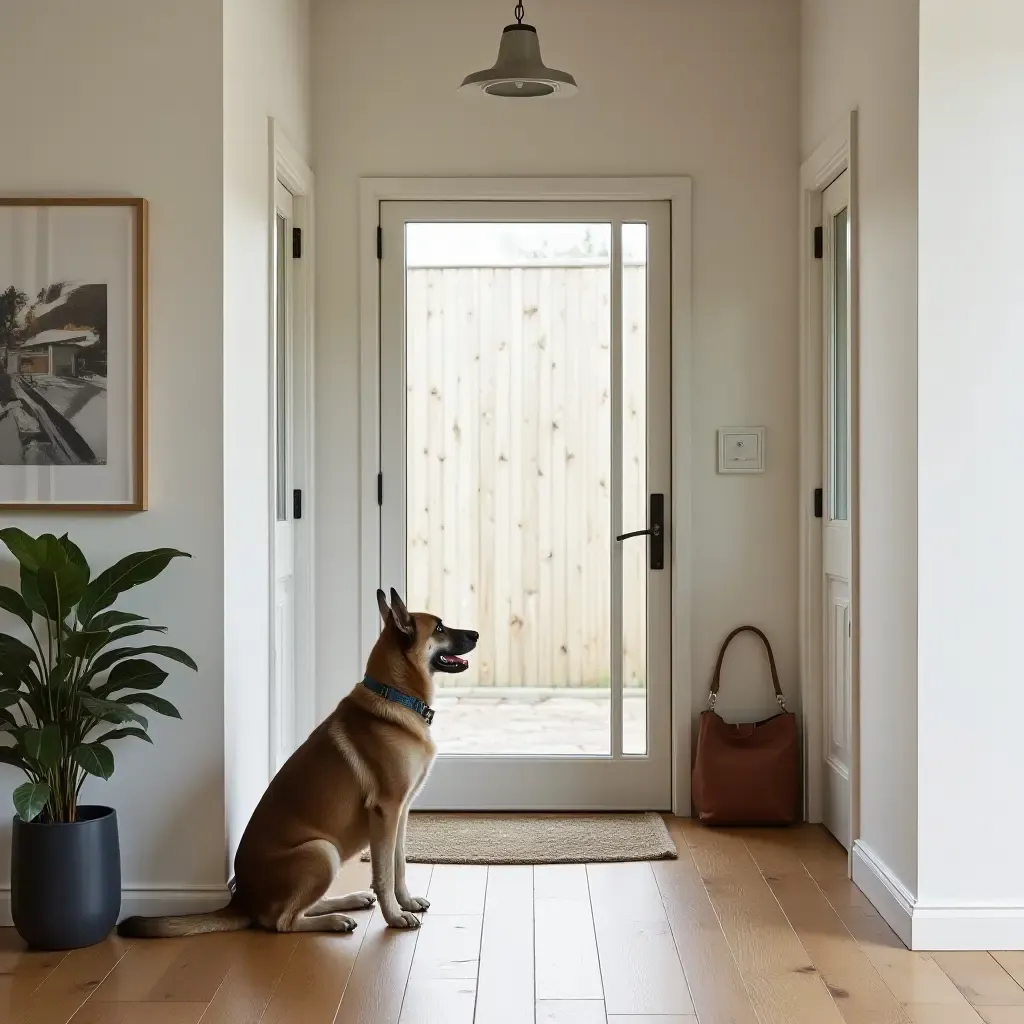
(309, 870)
(336, 904)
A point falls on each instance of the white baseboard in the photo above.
(196, 899)
(890, 896)
(926, 926)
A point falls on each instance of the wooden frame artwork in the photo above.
(73, 293)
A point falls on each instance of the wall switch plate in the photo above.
(741, 449)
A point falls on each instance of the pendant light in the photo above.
(519, 72)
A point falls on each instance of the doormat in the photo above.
(536, 838)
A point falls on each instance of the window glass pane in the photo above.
(508, 419)
(634, 488)
(840, 371)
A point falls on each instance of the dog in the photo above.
(350, 784)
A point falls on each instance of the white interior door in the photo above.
(281, 449)
(837, 511)
(525, 397)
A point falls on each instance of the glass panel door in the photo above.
(516, 350)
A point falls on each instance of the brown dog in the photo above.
(350, 783)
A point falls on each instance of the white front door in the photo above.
(525, 426)
(837, 510)
(281, 447)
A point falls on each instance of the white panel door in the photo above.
(525, 428)
(837, 510)
(281, 447)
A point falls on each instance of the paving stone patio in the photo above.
(534, 722)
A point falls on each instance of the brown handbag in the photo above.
(746, 774)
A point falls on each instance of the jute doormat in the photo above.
(536, 838)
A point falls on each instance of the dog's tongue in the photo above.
(453, 659)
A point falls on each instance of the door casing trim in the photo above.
(675, 190)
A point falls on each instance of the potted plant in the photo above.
(69, 688)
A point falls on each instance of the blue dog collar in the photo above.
(398, 697)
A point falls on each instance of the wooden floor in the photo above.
(744, 928)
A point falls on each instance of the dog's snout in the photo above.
(472, 634)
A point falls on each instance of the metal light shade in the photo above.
(519, 71)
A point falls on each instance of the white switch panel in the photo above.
(741, 449)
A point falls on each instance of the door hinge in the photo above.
(819, 242)
(296, 243)
(818, 503)
(380, 242)
(380, 488)
(296, 504)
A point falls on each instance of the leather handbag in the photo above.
(747, 774)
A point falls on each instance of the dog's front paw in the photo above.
(417, 904)
(404, 919)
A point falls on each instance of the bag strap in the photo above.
(716, 679)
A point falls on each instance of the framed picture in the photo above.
(73, 354)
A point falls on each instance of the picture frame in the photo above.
(73, 340)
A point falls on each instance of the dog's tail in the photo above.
(228, 919)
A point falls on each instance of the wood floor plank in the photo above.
(314, 980)
(570, 1011)
(258, 963)
(716, 987)
(22, 972)
(457, 889)
(649, 1018)
(855, 986)
(566, 961)
(140, 971)
(640, 967)
(199, 969)
(377, 984)
(981, 979)
(125, 1012)
(1011, 961)
(1001, 1014)
(442, 979)
(782, 983)
(505, 982)
(74, 979)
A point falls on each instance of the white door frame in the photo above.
(287, 167)
(374, 191)
(835, 155)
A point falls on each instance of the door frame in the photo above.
(835, 155)
(677, 192)
(287, 167)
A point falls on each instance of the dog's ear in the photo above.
(382, 604)
(403, 620)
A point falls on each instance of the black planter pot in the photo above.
(66, 880)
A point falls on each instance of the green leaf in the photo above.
(30, 798)
(119, 734)
(135, 672)
(111, 711)
(129, 572)
(74, 554)
(95, 759)
(151, 701)
(30, 591)
(11, 601)
(14, 650)
(109, 658)
(83, 643)
(108, 620)
(9, 697)
(11, 756)
(61, 581)
(43, 745)
(27, 550)
(133, 630)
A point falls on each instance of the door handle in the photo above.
(656, 531)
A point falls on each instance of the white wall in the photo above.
(266, 74)
(971, 363)
(704, 89)
(123, 98)
(863, 54)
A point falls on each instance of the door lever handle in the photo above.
(656, 531)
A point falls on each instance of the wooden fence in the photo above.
(509, 449)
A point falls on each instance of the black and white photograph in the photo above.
(72, 354)
(53, 375)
